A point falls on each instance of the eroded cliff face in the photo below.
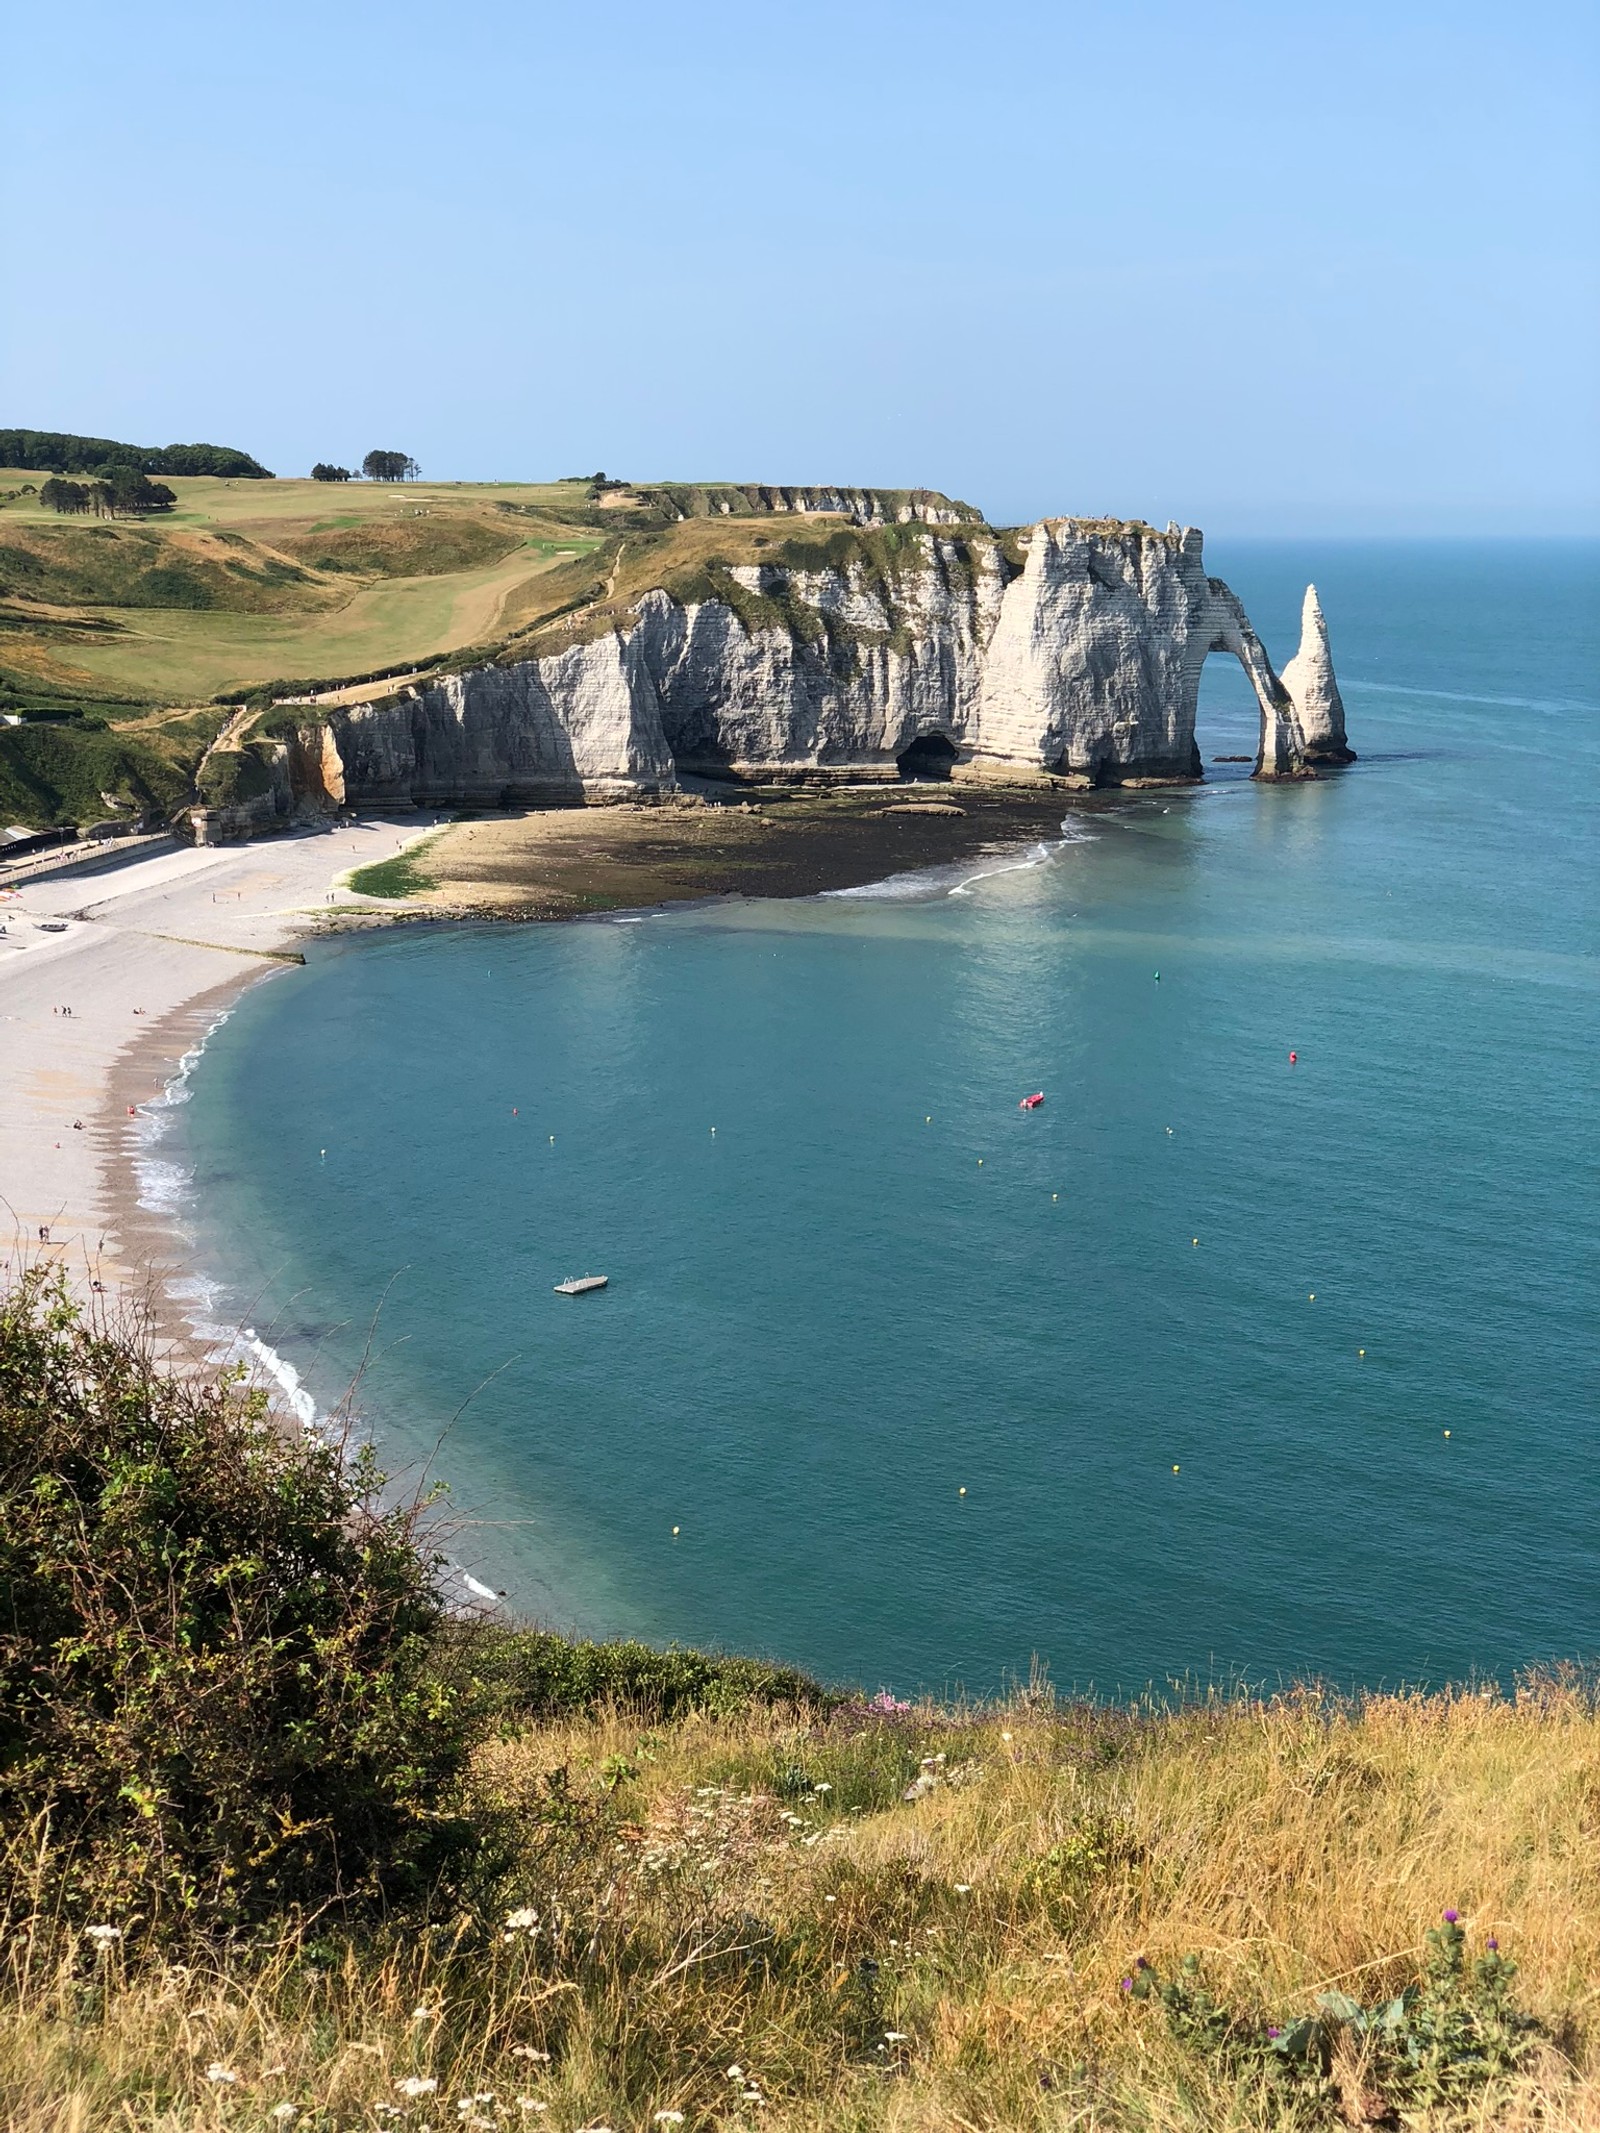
(1072, 651)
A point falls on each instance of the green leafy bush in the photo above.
(532, 1674)
(221, 1687)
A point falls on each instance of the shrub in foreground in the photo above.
(220, 1685)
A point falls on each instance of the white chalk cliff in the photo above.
(1072, 650)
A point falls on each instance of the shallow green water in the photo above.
(829, 1316)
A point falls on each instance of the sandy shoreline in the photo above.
(146, 950)
(149, 948)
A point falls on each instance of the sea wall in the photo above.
(1071, 652)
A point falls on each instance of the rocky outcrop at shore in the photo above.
(1070, 651)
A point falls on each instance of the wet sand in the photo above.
(563, 863)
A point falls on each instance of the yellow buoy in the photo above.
(1194, 1240)
(1447, 1433)
(961, 1492)
(1361, 1351)
(1174, 1469)
(1311, 1299)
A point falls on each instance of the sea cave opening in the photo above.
(931, 755)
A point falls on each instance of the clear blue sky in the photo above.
(1282, 267)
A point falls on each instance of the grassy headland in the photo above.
(253, 590)
(287, 1842)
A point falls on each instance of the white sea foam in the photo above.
(163, 1186)
(961, 876)
(282, 1374)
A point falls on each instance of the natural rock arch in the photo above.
(1302, 714)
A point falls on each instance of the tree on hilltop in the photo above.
(390, 466)
(59, 452)
(322, 471)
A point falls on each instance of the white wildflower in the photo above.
(287, 2113)
(668, 2118)
(523, 1920)
(222, 2075)
(736, 2073)
(426, 2014)
(417, 2085)
(896, 2036)
(963, 1888)
(529, 2051)
(103, 1936)
(822, 1788)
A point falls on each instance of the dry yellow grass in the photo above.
(713, 1895)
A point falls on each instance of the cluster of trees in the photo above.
(390, 466)
(121, 492)
(59, 452)
(377, 466)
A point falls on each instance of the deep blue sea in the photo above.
(1244, 1367)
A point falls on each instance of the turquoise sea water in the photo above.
(829, 1316)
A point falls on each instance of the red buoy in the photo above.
(1293, 1056)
